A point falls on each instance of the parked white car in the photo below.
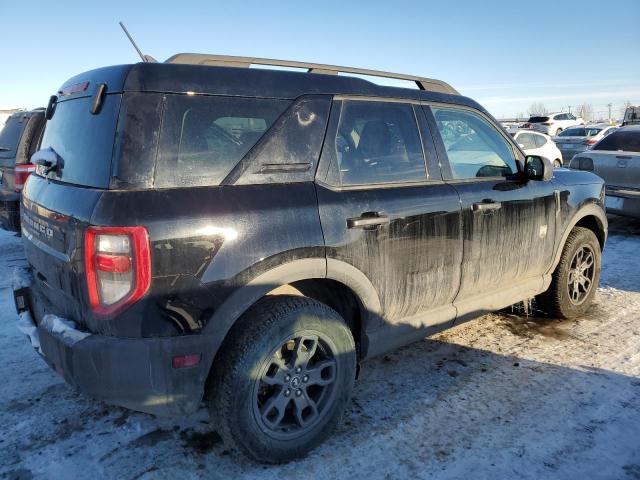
(552, 123)
(534, 143)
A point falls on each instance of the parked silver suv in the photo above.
(616, 158)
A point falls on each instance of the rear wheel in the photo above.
(558, 131)
(283, 379)
(576, 277)
(557, 163)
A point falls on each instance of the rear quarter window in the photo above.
(625, 141)
(204, 137)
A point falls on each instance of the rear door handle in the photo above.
(486, 206)
(368, 221)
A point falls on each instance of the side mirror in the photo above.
(538, 168)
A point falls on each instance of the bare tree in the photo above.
(537, 108)
(585, 111)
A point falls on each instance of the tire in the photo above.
(560, 300)
(557, 163)
(255, 374)
(558, 131)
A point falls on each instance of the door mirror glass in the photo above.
(538, 168)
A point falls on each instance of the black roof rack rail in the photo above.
(423, 83)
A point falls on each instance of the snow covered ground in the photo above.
(503, 396)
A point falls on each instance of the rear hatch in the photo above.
(538, 123)
(58, 204)
(575, 140)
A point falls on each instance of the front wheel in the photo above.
(283, 379)
(576, 277)
(557, 163)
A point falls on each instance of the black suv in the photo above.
(246, 236)
(18, 141)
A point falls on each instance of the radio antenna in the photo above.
(126, 32)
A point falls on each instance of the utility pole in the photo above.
(569, 108)
(609, 105)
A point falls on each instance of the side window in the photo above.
(203, 138)
(474, 147)
(526, 141)
(378, 142)
(540, 141)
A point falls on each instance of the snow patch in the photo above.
(65, 329)
(26, 326)
(21, 278)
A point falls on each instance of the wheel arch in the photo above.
(589, 216)
(331, 282)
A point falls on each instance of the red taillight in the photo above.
(118, 267)
(22, 172)
(185, 361)
(590, 141)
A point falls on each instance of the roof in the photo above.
(423, 83)
(233, 81)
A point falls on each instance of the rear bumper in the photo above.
(623, 202)
(10, 210)
(135, 373)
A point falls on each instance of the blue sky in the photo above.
(505, 54)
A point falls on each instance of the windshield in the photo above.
(538, 119)
(9, 139)
(580, 132)
(83, 141)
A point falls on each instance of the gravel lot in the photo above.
(504, 396)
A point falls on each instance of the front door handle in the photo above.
(486, 206)
(367, 221)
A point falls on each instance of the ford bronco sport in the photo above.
(198, 231)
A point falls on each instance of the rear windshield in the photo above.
(9, 139)
(621, 140)
(580, 132)
(83, 141)
(538, 119)
(203, 138)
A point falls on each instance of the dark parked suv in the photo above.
(198, 231)
(18, 141)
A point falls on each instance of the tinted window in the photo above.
(474, 147)
(203, 138)
(561, 116)
(378, 142)
(540, 141)
(580, 132)
(83, 141)
(623, 140)
(538, 119)
(526, 141)
(9, 138)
